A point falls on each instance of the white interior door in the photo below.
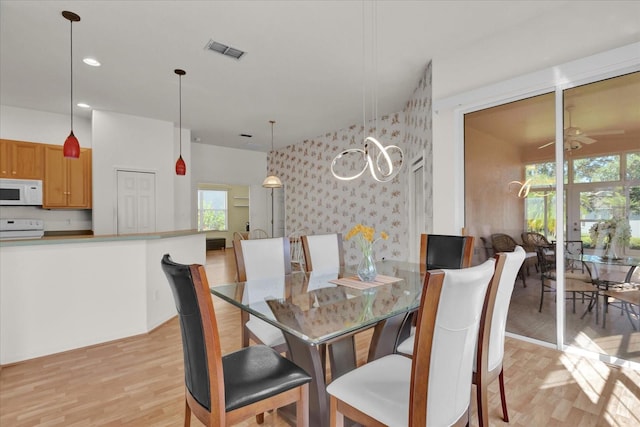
(259, 208)
(278, 212)
(136, 202)
(263, 213)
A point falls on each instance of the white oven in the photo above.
(20, 192)
(12, 229)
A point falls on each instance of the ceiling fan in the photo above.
(575, 138)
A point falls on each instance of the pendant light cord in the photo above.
(71, 103)
(364, 75)
(180, 112)
(374, 67)
(374, 59)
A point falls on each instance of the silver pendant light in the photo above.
(272, 181)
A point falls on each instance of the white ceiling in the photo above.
(304, 61)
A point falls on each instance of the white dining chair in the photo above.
(256, 260)
(433, 388)
(323, 252)
(493, 324)
(297, 255)
(258, 233)
(440, 251)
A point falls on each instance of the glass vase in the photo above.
(367, 268)
(613, 251)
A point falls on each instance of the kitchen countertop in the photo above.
(49, 240)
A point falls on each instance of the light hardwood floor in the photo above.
(138, 381)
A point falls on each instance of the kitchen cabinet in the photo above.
(21, 160)
(67, 182)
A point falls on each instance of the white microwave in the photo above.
(20, 192)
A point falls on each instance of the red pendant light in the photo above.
(71, 148)
(181, 167)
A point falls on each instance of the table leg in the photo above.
(386, 333)
(342, 356)
(629, 275)
(311, 359)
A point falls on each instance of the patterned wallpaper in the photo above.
(418, 137)
(318, 203)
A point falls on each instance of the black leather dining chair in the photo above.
(223, 390)
(445, 251)
(437, 251)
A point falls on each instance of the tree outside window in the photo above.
(607, 186)
(541, 201)
(212, 210)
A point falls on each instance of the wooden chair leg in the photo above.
(336, 419)
(483, 402)
(505, 414)
(302, 407)
(187, 414)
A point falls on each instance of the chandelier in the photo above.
(384, 163)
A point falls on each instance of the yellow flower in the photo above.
(365, 237)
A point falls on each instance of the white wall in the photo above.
(159, 300)
(123, 142)
(222, 165)
(39, 126)
(60, 305)
(85, 293)
(448, 162)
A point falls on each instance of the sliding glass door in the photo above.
(602, 152)
(577, 194)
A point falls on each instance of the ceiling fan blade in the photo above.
(546, 145)
(606, 132)
(583, 139)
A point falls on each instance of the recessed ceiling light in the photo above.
(83, 105)
(91, 61)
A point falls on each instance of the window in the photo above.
(600, 188)
(212, 210)
(599, 204)
(541, 213)
(541, 201)
(633, 166)
(596, 169)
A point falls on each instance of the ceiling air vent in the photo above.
(224, 49)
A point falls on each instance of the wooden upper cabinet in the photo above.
(79, 180)
(67, 182)
(21, 160)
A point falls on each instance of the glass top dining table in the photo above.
(315, 310)
(318, 316)
(625, 261)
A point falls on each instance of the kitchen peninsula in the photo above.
(62, 293)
